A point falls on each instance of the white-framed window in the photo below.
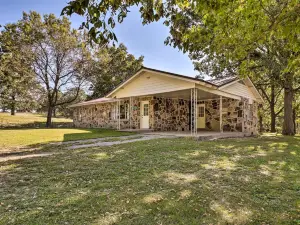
(124, 111)
(114, 112)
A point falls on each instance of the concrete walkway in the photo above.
(129, 139)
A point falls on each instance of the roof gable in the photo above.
(161, 78)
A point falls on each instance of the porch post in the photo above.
(221, 114)
(196, 111)
(130, 112)
(119, 116)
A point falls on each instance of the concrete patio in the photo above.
(201, 135)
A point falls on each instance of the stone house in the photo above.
(162, 101)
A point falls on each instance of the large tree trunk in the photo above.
(54, 112)
(294, 120)
(273, 119)
(49, 116)
(13, 105)
(288, 123)
(261, 126)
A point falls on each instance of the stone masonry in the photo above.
(172, 115)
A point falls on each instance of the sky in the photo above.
(140, 40)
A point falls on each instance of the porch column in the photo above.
(221, 114)
(130, 112)
(194, 111)
(119, 116)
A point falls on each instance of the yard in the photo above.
(165, 181)
(29, 120)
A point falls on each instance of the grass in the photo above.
(165, 181)
(25, 137)
(29, 120)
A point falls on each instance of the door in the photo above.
(145, 115)
(201, 116)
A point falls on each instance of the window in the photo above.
(146, 109)
(113, 113)
(79, 116)
(124, 111)
(201, 111)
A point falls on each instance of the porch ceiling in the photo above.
(186, 94)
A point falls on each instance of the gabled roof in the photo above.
(217, 84)
(94, 101)
(175, 75)
(222, 81)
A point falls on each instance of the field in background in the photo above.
(30, 120)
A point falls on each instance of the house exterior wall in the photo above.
(172, 115)
(239, 90)
(149, 84)
(240, 116)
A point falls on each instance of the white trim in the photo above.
(229, 83)
(219, 92)
(251, 87)
(163, 74)
(255, 90)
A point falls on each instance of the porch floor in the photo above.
(201, 135)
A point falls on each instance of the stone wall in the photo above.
(250, 117)
(171, 114)
(236, 115)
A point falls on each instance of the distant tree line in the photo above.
(45, 65)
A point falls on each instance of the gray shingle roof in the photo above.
(222, 81)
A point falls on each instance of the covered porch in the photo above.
(187, 112)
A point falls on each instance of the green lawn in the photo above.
(29, 120)
(166, 181)
(24, 137)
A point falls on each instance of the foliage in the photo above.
(64, 110)
(166, 181)
(60, 57)
(17, 81)
(223, 37)
(102, 16)
(111, 66)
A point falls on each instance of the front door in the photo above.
(145, 115)
(201, 116)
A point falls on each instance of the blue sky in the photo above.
(145, 40)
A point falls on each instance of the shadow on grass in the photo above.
(37, 124)
(171, 181)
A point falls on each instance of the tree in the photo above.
(111, 66)
(16, 75)
(60, 57)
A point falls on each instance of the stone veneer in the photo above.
(172, 115)
(236, 115)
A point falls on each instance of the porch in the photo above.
(201, 135)
(186, 112)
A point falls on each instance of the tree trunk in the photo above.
(13, 106)
(294, 120)
(288, 123)
(261, 128)
(49, 116)
(272, 108)
(54, 112)
(273, 119)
